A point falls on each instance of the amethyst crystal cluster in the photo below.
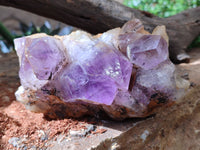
(124, 72)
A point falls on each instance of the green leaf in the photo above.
(162, 8)
(31, 30)
(24, 27)
(55, 31)
(6, 34)
(44, 29)
(195, 43)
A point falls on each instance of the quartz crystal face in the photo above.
(100, 75)
(118, 73)
(159, 80)
(44, 56)
(40, 59)
(148, 51)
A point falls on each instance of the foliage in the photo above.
(165, 8)
(6, 34)
(32, 29)
(162, 8)
(7, 37)
(195, 43)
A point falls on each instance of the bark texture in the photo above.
(97, 16)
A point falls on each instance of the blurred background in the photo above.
(16, 23)
(162, 8)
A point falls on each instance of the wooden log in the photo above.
(97, 16)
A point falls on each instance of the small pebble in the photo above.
(15, 141)
(82, 132)
(79, 133)
(144, 135)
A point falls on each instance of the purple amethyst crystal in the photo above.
(145, 51)
(155, 81)
(45, 56)
(116, 73)
(148, 51)
(40, 58)
(96, 73)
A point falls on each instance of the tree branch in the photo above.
(97, 16)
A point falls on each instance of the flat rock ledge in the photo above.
(176, 127)
(172, 128)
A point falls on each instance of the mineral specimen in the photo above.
(120, 73)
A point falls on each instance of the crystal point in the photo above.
(118, 73)
(148, 51)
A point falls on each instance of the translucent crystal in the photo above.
(161, 30)
(96, 72)
(119, 73)
(148, 51)
(40, 57)
(154, 81)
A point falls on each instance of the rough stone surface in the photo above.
(172, 128)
